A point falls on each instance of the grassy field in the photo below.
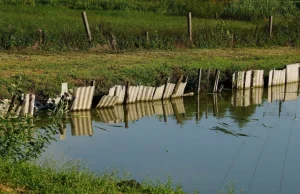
(63, 29)
(42, 73)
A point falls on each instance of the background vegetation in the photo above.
(216, 24)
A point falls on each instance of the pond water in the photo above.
(203, 142)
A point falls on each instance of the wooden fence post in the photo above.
(270, 26)
(165, 88)
(190, 28)
(199, 80)
(86, 26)
(126, 92)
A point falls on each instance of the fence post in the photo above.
(270, 25)
(190, 28)
(86, 26)
(199, 80)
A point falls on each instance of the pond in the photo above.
(203, 142)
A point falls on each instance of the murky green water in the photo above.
(251, 137)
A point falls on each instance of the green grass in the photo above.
(72, 178)
(43, 73)
(64, 31)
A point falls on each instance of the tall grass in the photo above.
(63, 30)
(242, 9)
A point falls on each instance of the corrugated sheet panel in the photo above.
(292, 73)
(81, 123)
(83, 97)
(112, 91)
(133, 92)
(271, 73)
(258, 78)
(248, 79)
(107, 101)
(158, 93)
(120, 93)
(240, 80)
(234, 80)
(279, 77)
(169, 90)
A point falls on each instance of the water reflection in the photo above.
(201, 141)
(241, 105)
(81, 123)
(245, 98)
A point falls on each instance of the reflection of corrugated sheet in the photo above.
(107, 101)
(291, 92)
(82, 123)
(111, 115)
(257, 94)
(168, 108)
(83, 98)
(132, 112)
(169, 90)
(158, 93)
(292, 72)
(247, 98)
(277, 92)
(178, 104)
(158, 109)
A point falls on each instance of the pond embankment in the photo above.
(42, 73)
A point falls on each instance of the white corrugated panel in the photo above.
(158, 93)
(83, 98)
(258, 78)
(107, 101)
(292, 73)
(248, 79)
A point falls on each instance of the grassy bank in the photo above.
(27, 177)
(42, 73)
(63, 29)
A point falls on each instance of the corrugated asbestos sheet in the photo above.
(158, 94)
(120, 93)
(258, 78)
(244, 80)
(81, 123)
(107, 101)
(132, 94)
(180, 90)
(168, 91)
(83, 97)
(292, 72)
(19, 106)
